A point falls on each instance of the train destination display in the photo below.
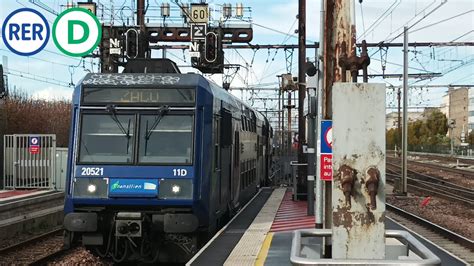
(137, 95)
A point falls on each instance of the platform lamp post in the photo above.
(451, 126)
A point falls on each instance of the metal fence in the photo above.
(30, 161)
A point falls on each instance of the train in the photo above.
(158, 162)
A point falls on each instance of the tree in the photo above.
(470, 138)
(437, 123)
(428, 133)
(31, 116)
(392, 138)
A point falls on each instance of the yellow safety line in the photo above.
(262, 255)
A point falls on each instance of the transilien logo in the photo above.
(76, 32)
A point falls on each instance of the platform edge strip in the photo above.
(255, 235)
(221, 231)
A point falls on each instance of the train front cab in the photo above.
(136, 171)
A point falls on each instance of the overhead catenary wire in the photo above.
(378, 21)
(421, 19)
(441, 21)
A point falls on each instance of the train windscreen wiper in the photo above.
(150, 130)
(111, 110)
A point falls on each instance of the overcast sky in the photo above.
(377, 20)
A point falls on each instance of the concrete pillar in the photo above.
(358, 169)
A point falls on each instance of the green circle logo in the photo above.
(76, 32)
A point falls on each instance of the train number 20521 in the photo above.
(92, 171)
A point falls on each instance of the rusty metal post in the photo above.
(141, 12)
(337, 29)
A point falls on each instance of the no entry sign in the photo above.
(326, 151)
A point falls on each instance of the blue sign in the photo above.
(326, 136)
(133, 187)
(34, 141)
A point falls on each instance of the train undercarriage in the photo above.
(136, 236)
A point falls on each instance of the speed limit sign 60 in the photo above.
(199, 13)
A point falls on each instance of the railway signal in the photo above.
(206, 41)
(211, 52)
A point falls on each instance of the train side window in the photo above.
(226, 128)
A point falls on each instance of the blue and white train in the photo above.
(158, 162)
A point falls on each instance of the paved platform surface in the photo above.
(217, 252)
(239, 242)
(12, 193)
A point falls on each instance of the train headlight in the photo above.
(90, 187)
(175, 189)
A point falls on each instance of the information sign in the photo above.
(326, 151)
(198, 31)
(34, 145)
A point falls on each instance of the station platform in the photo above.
(261, 234)
(24, 211)
(9, 195)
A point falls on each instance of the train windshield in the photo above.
(107, 138)
(166, 139)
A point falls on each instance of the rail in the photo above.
(433, 185)
(429, 188)
(468, 243)
(31, 241)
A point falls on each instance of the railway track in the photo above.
(36, 251)
(462, 172)
(439, 157)
(432, 185)
(458, 245)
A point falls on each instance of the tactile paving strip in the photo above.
(246, 251)
(292, 215)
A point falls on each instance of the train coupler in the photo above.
(128, 224)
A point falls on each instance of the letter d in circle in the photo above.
(71, 32)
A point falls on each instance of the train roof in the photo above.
(142, 79)
(171, 80)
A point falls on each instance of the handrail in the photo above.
(428, 258)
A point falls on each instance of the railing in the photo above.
(30, 161)
(426, 256)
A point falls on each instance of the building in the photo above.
(455, 106)
(391, 120)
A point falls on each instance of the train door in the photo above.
(225, 157)
(235, 186)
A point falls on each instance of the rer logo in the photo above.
(83, 32)
(76, 32)
(25, 38)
